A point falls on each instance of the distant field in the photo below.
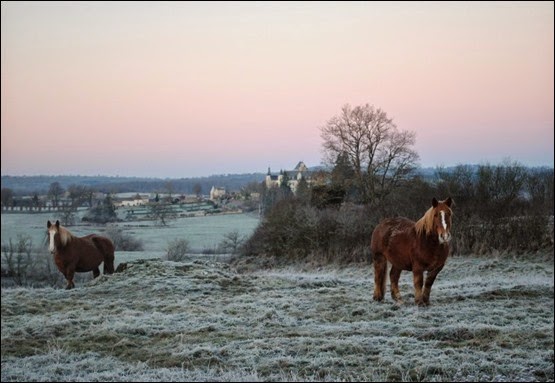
(203, 233)
(491, 319)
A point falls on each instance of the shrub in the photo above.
(177, 250)
(18, 259)
(123, 241)
(102, 213)
(499, 208)
(23, 265)
(293, 232)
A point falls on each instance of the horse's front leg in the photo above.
(418, 281)
(430, 278)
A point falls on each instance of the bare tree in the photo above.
(161, 212)
(231, 242)
(55, 192)
(381, 155)
(79, 194)
(170, 189)
(197, 189)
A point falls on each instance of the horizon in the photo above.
(188, 89)
(264, 172)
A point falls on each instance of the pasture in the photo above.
(490, 319)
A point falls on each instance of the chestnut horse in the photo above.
(414, 246)
(79, 254)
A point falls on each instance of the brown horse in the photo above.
(414, 246)
(79, 254)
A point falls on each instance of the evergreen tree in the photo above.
(343, 176)
(103, 212)
(303, 191)
(284, 188)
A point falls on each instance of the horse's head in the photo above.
(441, 211)
(53, 229)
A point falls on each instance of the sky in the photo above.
(187, 89)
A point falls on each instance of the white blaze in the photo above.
(446, 237)
(51, 242)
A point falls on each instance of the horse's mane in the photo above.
(426, 223)
(65, 235)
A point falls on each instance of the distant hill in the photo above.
(26, 185)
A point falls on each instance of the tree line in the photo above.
(30, 185)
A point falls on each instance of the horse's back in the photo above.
(388, 229)
(103, 244)
(394, 239)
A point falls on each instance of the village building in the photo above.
(216, 193)
(122, 200)
(294, 177)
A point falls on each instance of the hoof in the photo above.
(397, 298)
(422, 303)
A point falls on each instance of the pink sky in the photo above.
(193, 89)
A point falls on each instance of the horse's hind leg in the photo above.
(96, 272)
(394, 276)
(106, 249)
(69, 277)
(109, 263)
(380, 273)
(109, 267)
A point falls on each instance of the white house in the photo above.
(130, 199)
(216, 193)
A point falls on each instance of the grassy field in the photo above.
(490, 319)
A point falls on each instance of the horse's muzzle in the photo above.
(445, 238)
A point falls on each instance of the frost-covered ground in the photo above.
(491, 319)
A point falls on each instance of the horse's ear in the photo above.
(57, 224)
(448, 201)
(434, 202)
(48, 224)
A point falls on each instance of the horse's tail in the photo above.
(380, 264)
(106, 247)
